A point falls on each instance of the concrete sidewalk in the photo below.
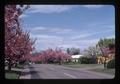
(25, 74)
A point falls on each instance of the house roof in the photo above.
(76, 56)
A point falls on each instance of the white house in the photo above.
(75, 58)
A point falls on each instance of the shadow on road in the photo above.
(34, 73)
(27, 73)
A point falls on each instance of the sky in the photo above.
(68, 26)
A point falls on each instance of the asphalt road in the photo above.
(49, 71)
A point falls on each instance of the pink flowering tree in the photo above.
(17, 43)
(53, 56)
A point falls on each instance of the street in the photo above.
(49, 71)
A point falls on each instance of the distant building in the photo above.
(75, 58)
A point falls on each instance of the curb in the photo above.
(27, 76)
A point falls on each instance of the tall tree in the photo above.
(53, 56)
(92, 51)
(105, 42)
(104, 45)
(17, 43)
(73, 51)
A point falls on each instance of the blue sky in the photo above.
(68, 26)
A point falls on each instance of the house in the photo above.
(75, 58)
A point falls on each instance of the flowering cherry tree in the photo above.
(17, 43)
(52, 56)
(105, 52)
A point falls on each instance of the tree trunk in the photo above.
(9, 65)
(16, 64)
(105, 64)
(60, 62)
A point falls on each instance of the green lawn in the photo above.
(82, 65)
(14, 74)
(11, 75)
(20, 66)
(91, 67)
(107, 71)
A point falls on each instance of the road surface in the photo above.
(49, 71)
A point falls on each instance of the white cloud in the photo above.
(92, 6)
(51, 30)
(50, 41)
(56, 8)
(81, 36)
(111, 36)
(111, 26)
(47, 41)
(68, 45)
(38, 28)
(87, 34)
(82, 44)
(61, 30)
(50, 8)
(86, 41)
(23, 16)
(53, 40)
(45, 36)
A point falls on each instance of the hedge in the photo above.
(86, 60)
(111, 64)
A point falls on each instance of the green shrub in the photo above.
(111, 64)
(86, 60)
